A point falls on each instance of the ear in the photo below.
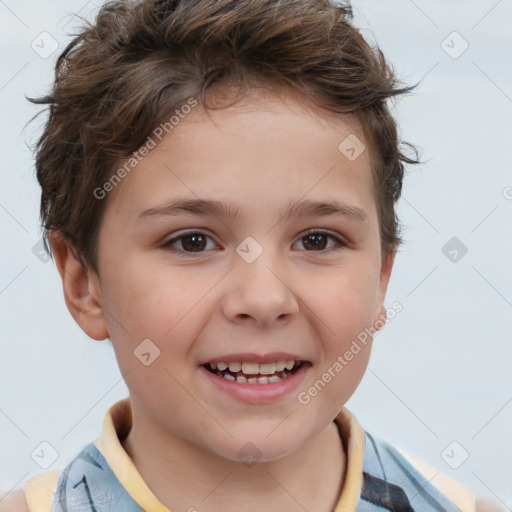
(385, 273)
(80, 286)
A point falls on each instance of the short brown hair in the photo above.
(122, 76)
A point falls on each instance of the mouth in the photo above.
(246, 372)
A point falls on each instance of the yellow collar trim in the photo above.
(118, 421)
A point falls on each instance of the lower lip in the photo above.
(258, 393)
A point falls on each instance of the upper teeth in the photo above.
(255, 368)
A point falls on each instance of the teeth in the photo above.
(255, 368)
(252, 380)
(280, 365)
(267, 369)
(250, 368)
(235, 367)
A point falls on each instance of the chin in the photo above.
(252, 451)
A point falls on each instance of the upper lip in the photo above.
(255, 358)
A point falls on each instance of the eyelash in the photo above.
(167, 245)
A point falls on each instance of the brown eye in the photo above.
(195, 242)
(316, 241)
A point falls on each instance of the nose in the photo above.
(259, 294)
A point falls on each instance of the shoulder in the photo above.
(409, 473)
(14, 502)
(458, 493)
(38, 492)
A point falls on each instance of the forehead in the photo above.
(265, 144)
(283, 107)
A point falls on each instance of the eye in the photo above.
(317, 239)
(197, 242)
(192, 242)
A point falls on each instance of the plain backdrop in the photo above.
(439, 379)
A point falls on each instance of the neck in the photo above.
(184, 476)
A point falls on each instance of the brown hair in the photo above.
(139, 62)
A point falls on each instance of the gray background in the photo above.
(439, 381)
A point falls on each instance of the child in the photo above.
(218, 182)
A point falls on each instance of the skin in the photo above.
(261, 154)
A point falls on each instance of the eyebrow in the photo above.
(302, 208)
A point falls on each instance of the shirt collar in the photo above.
(117, 424)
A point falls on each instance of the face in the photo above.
(269, 278)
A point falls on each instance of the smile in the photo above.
(254, 373)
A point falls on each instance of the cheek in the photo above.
(153, 321)
(148, 302)
(345, 302)
(345, 381)
(166, 307)
(347, 309)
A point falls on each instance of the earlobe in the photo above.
(79, 286)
